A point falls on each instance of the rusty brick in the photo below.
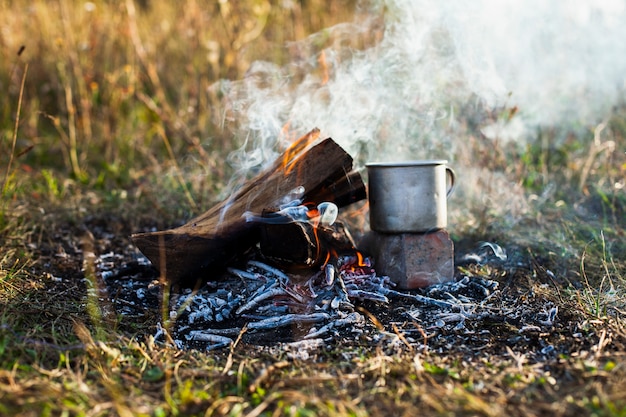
(412, 260)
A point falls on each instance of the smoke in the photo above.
(409, 78)
(436, 65)
(563, 64)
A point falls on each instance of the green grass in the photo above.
(105, 121)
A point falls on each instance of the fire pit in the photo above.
(346, 302)
(273, 264)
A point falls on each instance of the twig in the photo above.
(286, 320)
(17, 125)
(229, 361)
(401, 336)
(422, 299)
(265, 374)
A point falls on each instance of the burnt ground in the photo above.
(495, 306)
(520, 334)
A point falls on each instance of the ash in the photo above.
(264, 300)
(345, 302)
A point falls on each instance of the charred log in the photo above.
(304, 245)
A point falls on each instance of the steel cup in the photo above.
(408, 197)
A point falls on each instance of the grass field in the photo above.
(108, 126)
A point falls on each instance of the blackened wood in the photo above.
(344, 190)
(289, 245)
(302, 244)
(213, 238)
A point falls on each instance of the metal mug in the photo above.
(407, 197)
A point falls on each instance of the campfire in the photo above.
(280, 207)
(275, 259)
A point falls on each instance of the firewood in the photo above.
(214, 238)
(348, 188)
(298, 245)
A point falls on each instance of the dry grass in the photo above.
(113, 131)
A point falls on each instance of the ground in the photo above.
(531, 343)
(113, 120)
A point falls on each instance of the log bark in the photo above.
(214, 238)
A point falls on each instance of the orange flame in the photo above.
(296, 148)
(360, 259)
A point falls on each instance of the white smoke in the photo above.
(433, 75)
(562, 62)
(438, 64)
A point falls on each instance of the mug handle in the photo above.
(452, 175)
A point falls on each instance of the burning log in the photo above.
(319, 171)
(302, 244)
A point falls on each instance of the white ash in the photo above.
(132, 283)
(303, 349)
(259, 299)
(338, 304)
(263, 298)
